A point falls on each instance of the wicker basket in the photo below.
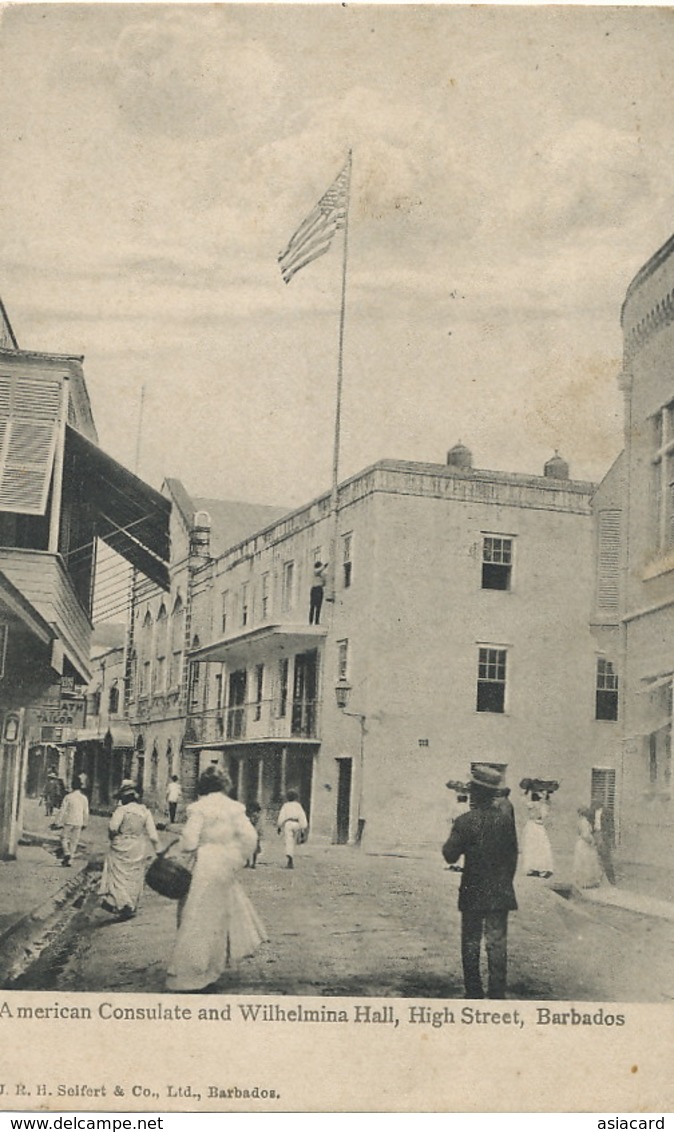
(168, 877)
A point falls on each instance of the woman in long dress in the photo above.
(587, 870)
(217, 924)
(536, 850)
(132, 832)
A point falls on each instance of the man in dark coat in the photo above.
(487, 840)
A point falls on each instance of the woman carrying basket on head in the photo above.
(217, 924)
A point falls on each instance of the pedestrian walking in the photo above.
(173, 797)
(317, 592)
(602, 828)
(53, 793)
(83, 780)
(217, 924)
(254, 814)
(293, 824)
(131, 832)
(487, 840)
(536, 849)
(587, 871)
(74, 818)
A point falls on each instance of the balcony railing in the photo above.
(303, 720)
(256, 722)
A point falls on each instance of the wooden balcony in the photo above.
(41, 578)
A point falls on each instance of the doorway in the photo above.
(343, 800)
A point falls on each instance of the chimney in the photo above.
(460, 457)
(556, 468)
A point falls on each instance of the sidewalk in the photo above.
(35, 887)
(644, 889)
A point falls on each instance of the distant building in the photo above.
(162, 634)
(455, 629)
(104, 746)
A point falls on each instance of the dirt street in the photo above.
(349, 922)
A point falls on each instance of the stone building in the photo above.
(162, 634)
(456, 629)
(647, 549)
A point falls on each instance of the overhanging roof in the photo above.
(131, 517)
(244, 645)
(13, 601)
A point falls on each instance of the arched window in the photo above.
(159, 672)
(177, 644)
(113, 699)
(195, 681)
(145, 649)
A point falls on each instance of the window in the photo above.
(606, 703)
(159, 675)
(305, 695)
(491, 680)
(244, 604)
(195, 682)
(177, 642)
(602, 793)
(288, 584)
(347, 564)
(663, 473)
(264, 597)
(219, 691)
(497, 562)
(342, 660)
(283, 686)
(145, 678)
(236, 711)
(113, 700)
(608, 565)
(224, 611)
(259, 684)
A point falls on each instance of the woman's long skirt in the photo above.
(217, 924)
(124, 872)
(536, 850)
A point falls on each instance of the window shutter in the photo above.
(608, 582)
(29, 414)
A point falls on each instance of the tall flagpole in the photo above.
(334, 499)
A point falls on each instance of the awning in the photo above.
(118, 737)
(131, 517)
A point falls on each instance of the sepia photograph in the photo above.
(336, 555)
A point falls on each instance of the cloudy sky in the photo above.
(513, 168)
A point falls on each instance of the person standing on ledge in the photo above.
(486, 838)
(317, 592)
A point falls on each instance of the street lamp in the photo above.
(342, 694)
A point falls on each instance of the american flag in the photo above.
(314, 235)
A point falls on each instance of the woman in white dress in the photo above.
(587, 870)
(217, 924)
(536, 849)
(132, 833)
